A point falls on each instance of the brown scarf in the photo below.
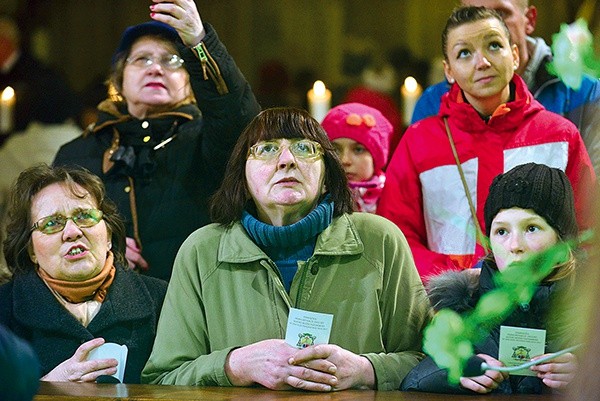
(80, 291)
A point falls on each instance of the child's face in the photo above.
(519, 233)
(356, 159)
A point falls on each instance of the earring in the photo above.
(515, 67)
(451, 80)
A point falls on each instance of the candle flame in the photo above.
(7, 94)
(411, 84)
(319, 88)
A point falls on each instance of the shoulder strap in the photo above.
(481, 239)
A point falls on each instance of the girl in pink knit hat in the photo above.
(360, 135)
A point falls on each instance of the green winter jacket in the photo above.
(226, 293)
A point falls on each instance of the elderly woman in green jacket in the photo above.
(286, 238)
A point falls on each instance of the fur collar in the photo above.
(457, 290)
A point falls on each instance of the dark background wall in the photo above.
(323, 36)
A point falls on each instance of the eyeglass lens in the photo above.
(170, 62)
(303, 149)
(55, 223)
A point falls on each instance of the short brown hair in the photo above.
(233, 197)
(31, 182)
(465, 15)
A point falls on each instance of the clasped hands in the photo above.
(276, 365)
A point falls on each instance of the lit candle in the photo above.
(411, 91)
(7, 105)
(319, 101)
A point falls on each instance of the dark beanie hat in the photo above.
(133, 33)
(545, 190)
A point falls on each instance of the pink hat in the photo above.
(363, 124)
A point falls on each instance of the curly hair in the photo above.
(30, 183)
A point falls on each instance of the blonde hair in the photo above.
(560, 271)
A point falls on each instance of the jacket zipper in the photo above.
(210, 68)
(305, 268)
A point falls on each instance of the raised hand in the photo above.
(183, 16)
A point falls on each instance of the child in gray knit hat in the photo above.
(528, 210)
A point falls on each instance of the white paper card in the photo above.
(518, 345)
(111, 350)
(306, 328)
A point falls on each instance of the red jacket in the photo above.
(424, 194)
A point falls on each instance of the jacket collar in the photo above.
(112, 113)
(506, 118)
(41, 311)
(340, 238)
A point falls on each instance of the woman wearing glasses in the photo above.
(162, 141)
(285, 238)
(70, 292)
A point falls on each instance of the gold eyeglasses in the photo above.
(304, 149)
(57, 222)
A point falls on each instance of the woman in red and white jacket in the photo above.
(495, 124)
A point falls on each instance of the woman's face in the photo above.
(519, 233)
(152, 88)
(286, 187)
(482, 62)
(356, 159)
(75, 253)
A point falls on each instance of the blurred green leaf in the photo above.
(449, 338)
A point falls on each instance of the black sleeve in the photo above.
(428, 377)
(19, 366)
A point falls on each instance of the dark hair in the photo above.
(30, 183)
(232, 197)
(465, 15)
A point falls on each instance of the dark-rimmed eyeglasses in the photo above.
(304, 149)
(169, 62)
(57, 222)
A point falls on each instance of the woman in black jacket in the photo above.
(162, 141)
(70, 291)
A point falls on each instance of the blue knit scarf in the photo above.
(287, 245)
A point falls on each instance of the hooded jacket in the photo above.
(581, 107)
(161, 170)
(424, 194)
